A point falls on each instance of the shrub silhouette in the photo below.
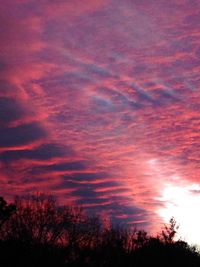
(6, 211)
(36, 231)
(169, 232)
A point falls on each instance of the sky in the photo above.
(99, 106)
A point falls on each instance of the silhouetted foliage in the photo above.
(36, 231)
(6, 211)
(169, 232)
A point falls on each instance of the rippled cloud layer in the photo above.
(99, 102)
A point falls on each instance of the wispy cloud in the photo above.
(99, 101)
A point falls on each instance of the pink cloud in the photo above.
(116, 86)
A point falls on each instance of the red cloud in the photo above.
(115, 87)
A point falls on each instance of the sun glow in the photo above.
(183, 203)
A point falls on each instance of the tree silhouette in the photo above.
(6, 211)
(38, 219)
(169, 232)
(36, 231)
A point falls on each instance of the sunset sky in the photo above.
(99, 106)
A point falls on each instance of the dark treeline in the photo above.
(35, 231)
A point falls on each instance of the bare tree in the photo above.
(38, 219)
(169, 232)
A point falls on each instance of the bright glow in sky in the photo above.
(183, 203)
